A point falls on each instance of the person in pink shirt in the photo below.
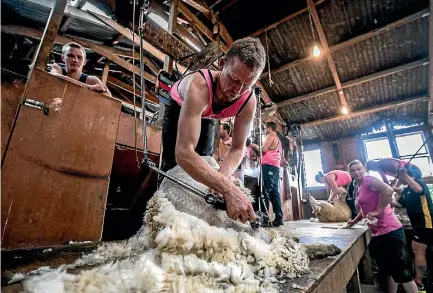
(333, 180)
(390, 167)
(388, 244)
(271, 161)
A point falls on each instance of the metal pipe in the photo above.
(143, 98)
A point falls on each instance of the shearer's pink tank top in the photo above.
(211, 111)
(368, 200)
(342, 178)
(273, 157)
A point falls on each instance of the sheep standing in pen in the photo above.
(176, 251)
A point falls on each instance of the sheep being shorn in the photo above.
(178, 252)
(326, 212)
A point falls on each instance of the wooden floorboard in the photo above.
(327, 275)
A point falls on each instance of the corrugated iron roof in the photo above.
(408, 114)
(341, 21)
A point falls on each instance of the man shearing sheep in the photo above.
(188, 124)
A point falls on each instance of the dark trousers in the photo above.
(169, 135)
(271, 179)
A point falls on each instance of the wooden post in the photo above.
(354, 285)
(51, 29)
(104, 75)
(392, 140)
(172, 21)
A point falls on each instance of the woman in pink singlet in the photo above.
(388, 244)
(333, 180)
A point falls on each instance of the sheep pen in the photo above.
(185, 245)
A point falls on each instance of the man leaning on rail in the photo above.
(74, 57)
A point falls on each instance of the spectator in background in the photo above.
(333, 180)
(271, 160)
(417, 200)
(225, 134)
(388, 242)
(390, 166)
(74, 57)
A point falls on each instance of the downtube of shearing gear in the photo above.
(143, 98)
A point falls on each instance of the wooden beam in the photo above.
(112, 81)
(371, 110)
(184, 34)
(285, 19)
(212, 16)
(172, 23)
(158, 39)
(113, 58)
(353, 41)
(356, 81)
(194, 21)
(47, 41)
(430, 46)
(61, 40)
(198, 6)
(105, 73)
(325, 48)
(180, 31)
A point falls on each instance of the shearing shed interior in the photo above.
(216, 146)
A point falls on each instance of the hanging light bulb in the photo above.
(316, 51)
(344, 110)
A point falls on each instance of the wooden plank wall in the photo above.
(125, 135)
(56, 171)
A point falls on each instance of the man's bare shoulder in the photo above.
(197, 80)
(194, 84)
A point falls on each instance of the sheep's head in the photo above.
(343, 193)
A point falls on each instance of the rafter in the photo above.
(353, 41)
(160, 42)
(61, 40)
(356, 81)
(197, 24)
(198, 5)
(367, 111)
(325, 47)
(212, 16)
(113, 58)
(285, 19)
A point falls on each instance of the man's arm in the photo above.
(240, 133)
(330, 179)
(385, 196)
(95, 84)
(195, 102)
(396, 204)
(413, 185)
(56, 69)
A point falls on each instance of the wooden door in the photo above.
(56, 171)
